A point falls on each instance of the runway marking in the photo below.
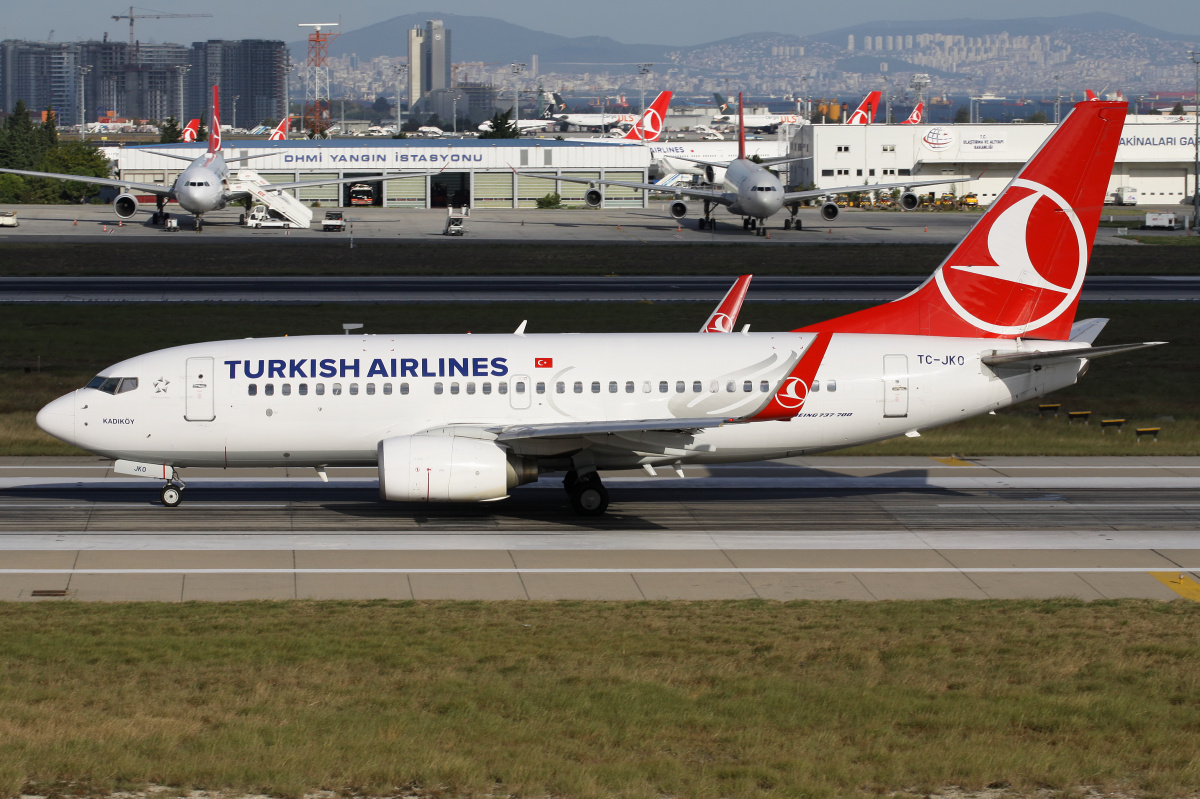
(146, 504)
(664, 570)
(954, 462)
(1060, 505)
(1179, 583)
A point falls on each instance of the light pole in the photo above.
(516, 71)
(236, 97)
(1195, 56)
(182, 71)
(84, 69)
(1057, 102)
(643, 71)
(401, 71)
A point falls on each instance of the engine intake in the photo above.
(829, 211)
(908, 201)
(125, 205)
(448, 469)
(679, 209)
(593, 198)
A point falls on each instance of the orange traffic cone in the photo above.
(679, 228)
(830, 230)
(75, 223)
(618, 227)
(120, 223)
(105, 228)
(522, 223)
(927, 228)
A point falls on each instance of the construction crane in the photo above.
(153, 15)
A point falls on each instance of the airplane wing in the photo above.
(794, 196)
(700, 194)
(569, 429)
(998, 358)
(149, 188)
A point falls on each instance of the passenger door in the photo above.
(199, 390)
(519, 389)
(895, 385)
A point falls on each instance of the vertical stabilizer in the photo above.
(653, 120)
(214, 130)
(865, 113)
(191, 130)
(281, 130)
(741, 130)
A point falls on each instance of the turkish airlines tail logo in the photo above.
(1019, 270)
(726, 314)
(191, 131)
(214, 130)
(652, 123)
(1091, 95)
(915, 117)
(865, 113)
(281, 130)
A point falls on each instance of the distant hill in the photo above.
(491, 41)
(1093, 22)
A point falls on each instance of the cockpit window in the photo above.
(113, 385)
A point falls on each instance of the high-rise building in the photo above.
(249, 72)
(416, 41)
(43, 74)
(435, 57)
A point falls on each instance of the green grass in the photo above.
(376, 257)
(1141, 386)
(710, 699)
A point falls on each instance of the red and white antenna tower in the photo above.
(316, 77)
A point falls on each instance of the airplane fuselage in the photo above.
(329, 400)
(754, 192)
(201, 187)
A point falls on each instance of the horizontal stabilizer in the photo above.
(1087, 330)
(998, 358)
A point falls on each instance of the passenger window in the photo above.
(319, 389)
(747, 386)
(454, 388)
(714, 387)
(541, 388)
(336, 389)
(831, 385)
(437, 388)
(697, 387)
(252, 390)
(663, 386)
(612, 386)
(387, 389)
(486, 388)
(286, 389)
(502, 388)
(578, 386)
(404, 388)
(628, 386)
(354, 388)
(269, 389)
(645, 386)
(370, 389)
(470, 388)
(302, 389)
(560, 387)
(764, 386)
(731, 387)
(680, 386)
(595, 386)
(816, 385)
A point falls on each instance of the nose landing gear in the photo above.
(172, 495)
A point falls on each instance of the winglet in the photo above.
(214, 130)
(725, 316)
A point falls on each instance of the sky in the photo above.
(629, 21)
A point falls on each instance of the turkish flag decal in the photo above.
(543, 363)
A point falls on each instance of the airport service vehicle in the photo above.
(202, 187)
(1124, 195)
(1166, 221)
(362, 194)
(333, 221)
(9, 219)
(748, 189)
(261, 216)
(465, 418)
(456, 220)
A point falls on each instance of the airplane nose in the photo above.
(58, 418)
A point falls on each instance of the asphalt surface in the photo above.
(395, 289)
(816, 528)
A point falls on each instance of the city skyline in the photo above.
(623, 20)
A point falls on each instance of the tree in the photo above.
(382, 106)
(202, 131)
(1038, 116)
(19, 142)
(73, 158)
(1177, 110)
(502, 127)
(963, 114)
(170, 132)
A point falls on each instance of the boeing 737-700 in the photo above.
(202, 187)
(466, 418)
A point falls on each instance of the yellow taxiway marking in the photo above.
(1181, 584)
(954, 461)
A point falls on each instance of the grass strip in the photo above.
(576, 699)
(48, 350)
(376, 257)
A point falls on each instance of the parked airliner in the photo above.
(749, 190)
(466, 418)
(202, 187)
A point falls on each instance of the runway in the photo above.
(458, 289)
(810, 528)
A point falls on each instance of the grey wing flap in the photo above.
(565, 429)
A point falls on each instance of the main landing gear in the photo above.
(588, 495)
(792, 223)
(706, 222)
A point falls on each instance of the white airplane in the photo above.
(466, 418)
(202, 187)
(601, 122)
(550, 104)
(749, 190)
(728, 115)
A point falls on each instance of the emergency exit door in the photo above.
(519, 390)
(199, 390)
(895, 385)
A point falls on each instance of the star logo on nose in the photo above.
(160, 385)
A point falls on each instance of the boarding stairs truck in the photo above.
(280, 204)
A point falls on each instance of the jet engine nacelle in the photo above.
(908, 201)
(829, 211)
(593, 198)
(434, 468)
(679, 209)
(125, 205)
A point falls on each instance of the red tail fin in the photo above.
(214, 130)
(726, 314)
(915, 117)
(1091, 95)
(1019, 271)
(652, 123)
(281, 130)
(190, 130)
(865, 113)
(741, 130)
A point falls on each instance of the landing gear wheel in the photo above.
(588, 497)
(154, 218)
(172, 495)
(242, 220)
(787, 224)
(796, 225)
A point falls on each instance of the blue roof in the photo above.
(388, 142)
